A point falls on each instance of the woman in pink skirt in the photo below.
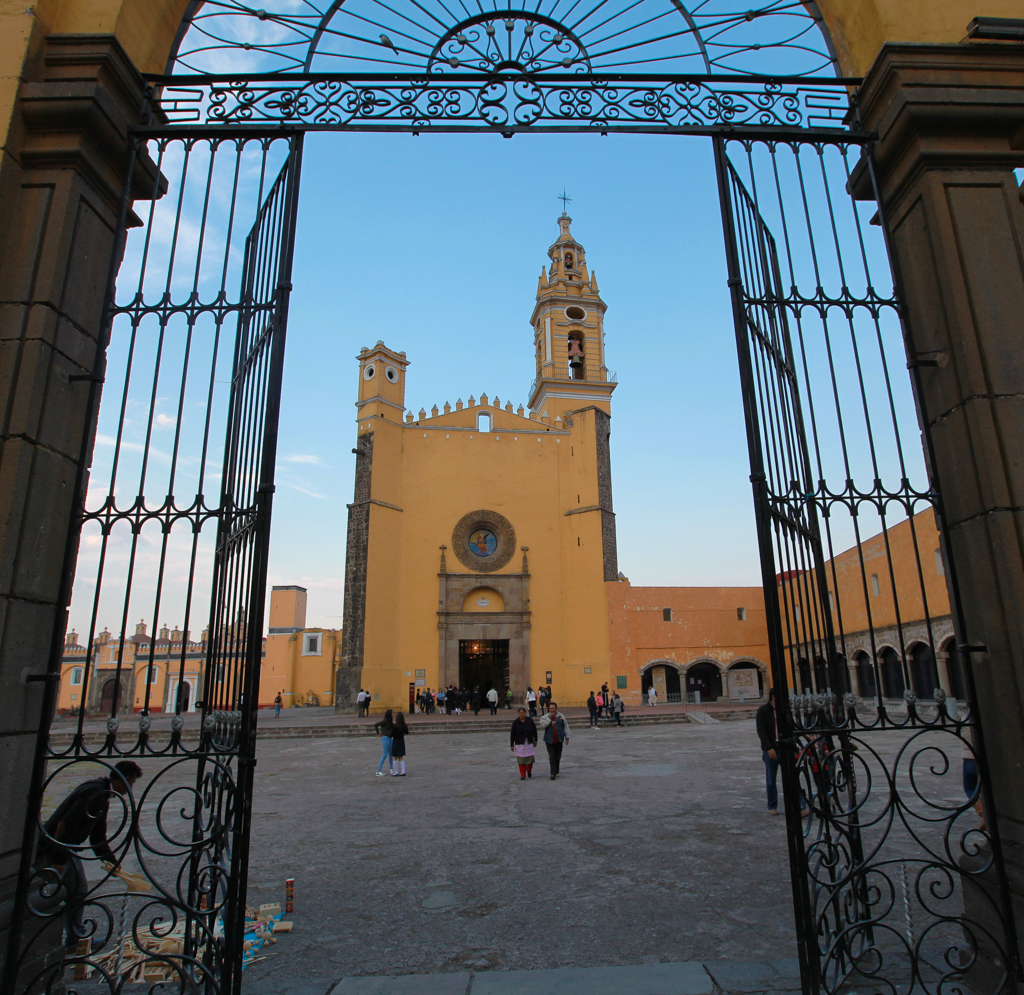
(523, 740)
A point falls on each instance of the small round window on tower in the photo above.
(576, 313)
(368, 371)
(391, 373)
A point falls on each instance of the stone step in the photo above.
(97, 737)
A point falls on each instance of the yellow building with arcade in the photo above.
(481, 537)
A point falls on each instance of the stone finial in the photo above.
(483, 400)
(531, 413)
(526, 565)
(447, 408)
(546, 418)
(497, 403)
(472, 401)
(508, 406)
(423, 413)
(519, 411)
(408, 417)
(444, 567)
(558, 421)
(458, 404)
(434, 411)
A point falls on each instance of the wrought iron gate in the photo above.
(898, 882)
(195, 334)
(895, 885)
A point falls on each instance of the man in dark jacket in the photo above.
(768, 735)
(83, 816)
(592, 708)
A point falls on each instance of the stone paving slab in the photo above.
(405, 984)
(778, 975)
(686, 978)
(773, 977)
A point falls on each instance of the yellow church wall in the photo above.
(439, 469)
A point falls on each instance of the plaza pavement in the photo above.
(649, 867)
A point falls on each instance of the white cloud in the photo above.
(165, 421)
(303, 490)
(305, 458)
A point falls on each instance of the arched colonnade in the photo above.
(707, 676)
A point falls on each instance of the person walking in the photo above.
(556, 735)
(531, 701)
(523, 740)
(492, 700)
(82, 816)
(277, 706)
(766, 725)
(592, 707)
(477, 700)
(398, 733)
(361, 701)
(386, 729)
(652, 696)
(508, 698)
(618, 707)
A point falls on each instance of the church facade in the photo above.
(481, 538)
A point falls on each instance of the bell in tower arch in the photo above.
(577, 358)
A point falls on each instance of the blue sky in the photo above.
(434, 244)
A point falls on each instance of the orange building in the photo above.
(701, 642)
(892, 619)
(298, 662)
(171, 664)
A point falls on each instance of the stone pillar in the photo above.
(942, 666)
(60, 190)
(854, 678)
(950, 120)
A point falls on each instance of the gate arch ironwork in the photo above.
(895, 887)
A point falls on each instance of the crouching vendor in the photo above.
(82, 816)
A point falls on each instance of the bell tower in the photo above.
(568, 332)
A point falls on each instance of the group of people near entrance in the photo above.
(458, 700)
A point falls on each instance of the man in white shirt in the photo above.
(361, 701)
(492, 700)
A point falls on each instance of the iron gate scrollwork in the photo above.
(897, 876)
(195, 332)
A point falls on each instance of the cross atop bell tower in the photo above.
(568, 331)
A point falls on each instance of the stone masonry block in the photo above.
(44, 527)
(85, 281)
(16, 752)
(988, 255)
(955, 455)
(15, 476)
(24, 242)
(25, 631)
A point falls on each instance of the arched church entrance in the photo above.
(704, 679)
(216, 154)
(110, 699)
